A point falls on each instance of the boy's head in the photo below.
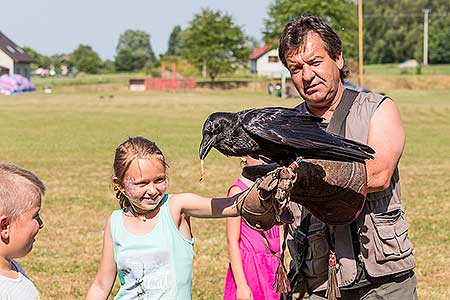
(21, 194)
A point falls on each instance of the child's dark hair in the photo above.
(133, 148)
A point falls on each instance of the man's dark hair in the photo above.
(294, 34)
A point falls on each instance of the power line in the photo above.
(406, 15)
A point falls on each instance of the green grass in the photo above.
(68, 139)
(86, 79)
(123, 78)
(394, 69)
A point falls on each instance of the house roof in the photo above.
(14, 51)
(260, 52)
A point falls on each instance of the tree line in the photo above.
(393, 30)
(214, 44)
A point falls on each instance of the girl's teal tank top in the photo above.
(157, 265)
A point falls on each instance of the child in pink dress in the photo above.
(252, 269)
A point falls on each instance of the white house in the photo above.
(13, 60)
(264, 61)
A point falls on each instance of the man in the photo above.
(373, 254)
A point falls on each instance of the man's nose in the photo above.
(308, 73)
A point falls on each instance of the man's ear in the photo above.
(340, 61)
(5, 225)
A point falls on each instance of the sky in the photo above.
(59, 26)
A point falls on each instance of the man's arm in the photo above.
(387, 138)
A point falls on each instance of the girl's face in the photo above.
(145, 184)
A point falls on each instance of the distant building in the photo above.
(264, 61)
(13, 60)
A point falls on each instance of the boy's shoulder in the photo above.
(18, 268)
(17, 288)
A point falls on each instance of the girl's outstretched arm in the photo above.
(104, 280)
(200, 207)
(234, 252)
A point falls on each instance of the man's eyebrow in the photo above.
(291, 62)
(314, 57)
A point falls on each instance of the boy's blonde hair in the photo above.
(133, 148)
(20, 189)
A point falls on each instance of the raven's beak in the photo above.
(208, 141)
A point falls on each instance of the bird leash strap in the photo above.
(281, 281)
(337, 126)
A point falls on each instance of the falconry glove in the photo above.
(264, 204)
(333, 191)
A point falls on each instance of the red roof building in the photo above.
(264, 61)
(259, 52)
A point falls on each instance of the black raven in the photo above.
(277, 134)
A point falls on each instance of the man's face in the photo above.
(314, 73)
(24, 230)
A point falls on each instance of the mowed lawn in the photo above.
(68, 139)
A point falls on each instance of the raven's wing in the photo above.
(291, 128)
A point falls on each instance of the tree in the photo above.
(214, 42)
(341, 15)
(108, 66)
(85, 59)
(253, 43)
(134, 51)
(391, 33)
(174, 42)
(439, 41)
(39, 60)
(393, 30)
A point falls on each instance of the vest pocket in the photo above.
(316, 260)
(391, 235)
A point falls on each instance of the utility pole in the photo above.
(360, 45)
(425, 35)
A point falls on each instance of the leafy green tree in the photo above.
(214, 42)
(173, 48)
(85, 59)
(39, 59)
(108, 66)
(341, 15)
(393, 30)
(253, 43)
(391, 33)
(56, 60)
(134, 51)
(439, 31)
(439, 40)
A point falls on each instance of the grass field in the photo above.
(68, 139)
(394, 69)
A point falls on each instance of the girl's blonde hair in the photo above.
(133, 148)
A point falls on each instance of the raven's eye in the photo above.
(216, 127)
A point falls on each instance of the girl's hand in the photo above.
(244, 293)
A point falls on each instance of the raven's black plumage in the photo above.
(279, 134)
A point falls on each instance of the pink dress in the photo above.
(259, 264)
